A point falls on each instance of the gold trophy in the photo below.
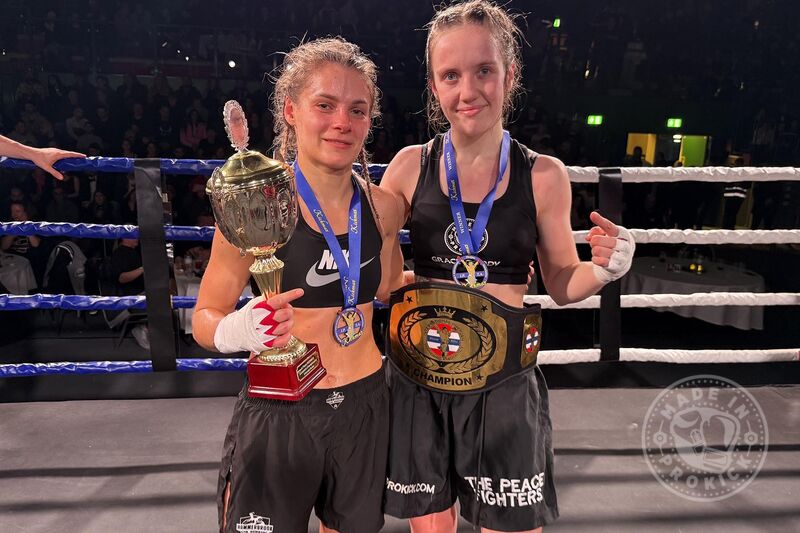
(254, 200)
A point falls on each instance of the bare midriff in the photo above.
(511, 295)
(344, 364)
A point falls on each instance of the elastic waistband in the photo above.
(365, 389)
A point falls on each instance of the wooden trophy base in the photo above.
(285, 382)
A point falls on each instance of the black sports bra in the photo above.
(311, 266)
(509, 241)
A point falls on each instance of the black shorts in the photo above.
(492, 451)
(327, 452)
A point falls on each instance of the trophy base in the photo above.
(290, 382)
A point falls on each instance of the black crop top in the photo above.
(311, 266)
(509, 241)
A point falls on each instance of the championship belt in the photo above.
(453, 339)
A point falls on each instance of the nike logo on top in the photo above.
(315, 279)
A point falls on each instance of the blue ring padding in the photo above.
(114, 367)
(102, 231)
(189, 233)
(124, 165)
(68, 229)
(13, 302)
(109, 231)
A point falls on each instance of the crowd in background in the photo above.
(78, 93)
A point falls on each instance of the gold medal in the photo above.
(348, 326)
(470, 271)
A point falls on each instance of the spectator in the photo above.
(17, 195)
(196, 203)
(61, 208)
(166, 133)
(209, 145)
(126, 265)
(76, 124)
(22, 134)
(72, 187)
(187, 93)
(105, 127)
(129, 215)
(128, 274)
(28, 246)
(131, 90)
(193, 131)
(88, 138)
(101, 210)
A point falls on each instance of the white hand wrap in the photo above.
(248, 329)
(621, 258)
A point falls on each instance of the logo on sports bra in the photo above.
(327, 263)
(451, 239)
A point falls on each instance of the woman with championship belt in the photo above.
(327, 451)
(470, 416)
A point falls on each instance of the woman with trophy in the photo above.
(470, 416)
(311, 427)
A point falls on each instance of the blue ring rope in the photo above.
(14, 302)
(125, 165)
(115, 367)
(110, 231)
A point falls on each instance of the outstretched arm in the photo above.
(43, 158)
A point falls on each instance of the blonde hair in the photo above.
(298, 66)
(504, 31)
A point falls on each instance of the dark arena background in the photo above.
(678, 119)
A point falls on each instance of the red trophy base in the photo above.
(285, 382)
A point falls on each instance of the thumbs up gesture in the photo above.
(612, 248)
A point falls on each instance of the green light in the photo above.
(674, 122)
(557, 23)
(594, 120)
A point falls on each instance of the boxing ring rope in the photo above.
(614, 177)
(206, 233)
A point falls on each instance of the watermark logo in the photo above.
(705, 438)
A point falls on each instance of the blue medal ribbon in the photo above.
(470, 241)
(349, 271)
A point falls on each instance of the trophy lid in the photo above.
(244, 163)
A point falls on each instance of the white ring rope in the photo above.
(698, 299)
(705, 174)
(716, 236)
(667, 355)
